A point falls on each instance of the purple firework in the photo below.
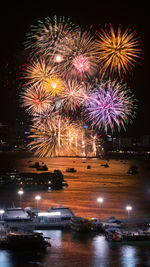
(110, 105)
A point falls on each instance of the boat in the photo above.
(88, 167)
(15, 219)
(105, 165)
(58, 217)
(70, 170)
(112, 222)
(113, 234)
(133, 170)
(32, 180)
(38, 167)
(80, 224)
(136, 236)
(24, 241)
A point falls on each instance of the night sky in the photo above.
(16, 19)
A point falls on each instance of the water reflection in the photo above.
(55, 237)
(5, 259)
(70, 249)
(101, 251)
(129, 256)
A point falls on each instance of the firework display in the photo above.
(65, 92)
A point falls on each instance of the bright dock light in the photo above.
(37, 198)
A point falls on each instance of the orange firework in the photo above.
(117, 52)
(39, 71)
(54, 85)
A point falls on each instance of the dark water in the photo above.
(73, 249)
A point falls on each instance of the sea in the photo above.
(117, 188)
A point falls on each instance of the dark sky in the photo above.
(16, 18)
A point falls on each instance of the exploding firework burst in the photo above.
(110, 105)
(51, 139)
(72, 97)
(36, 100)
(79, 60)
(54, 85)
(117, 52)
(39, 71)
(47, 37)
(61, 76)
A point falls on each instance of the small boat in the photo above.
(105, 165)
(88, 167)
(80, 224)
(112, 222)
(135, 236)
(24, 240)
(133, 170)
(38, 167)
(70, 170)
(113, 234)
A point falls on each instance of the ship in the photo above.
(16, 219)
(55, 217)
(24, 241)
(31, 180)
(80, 224)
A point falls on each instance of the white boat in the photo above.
(53, 218)
(15, 219)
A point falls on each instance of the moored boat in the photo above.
(15, 219)
(80, 224)
(113, 234)
(55, 217)
(24, 240)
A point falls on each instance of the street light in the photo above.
(128, 208)
(37, 198)
(100, 201)
(1, 213)
(20, 193)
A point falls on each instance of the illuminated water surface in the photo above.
(114, 185)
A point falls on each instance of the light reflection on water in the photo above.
(5, 259)
(71, 249)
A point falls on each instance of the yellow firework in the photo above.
(117, 51)
(39, 71)
(54, 85)
(52, 138)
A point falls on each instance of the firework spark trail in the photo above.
(51, 138)
(117, 52)
(110, 105)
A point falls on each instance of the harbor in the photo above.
(85, 187)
